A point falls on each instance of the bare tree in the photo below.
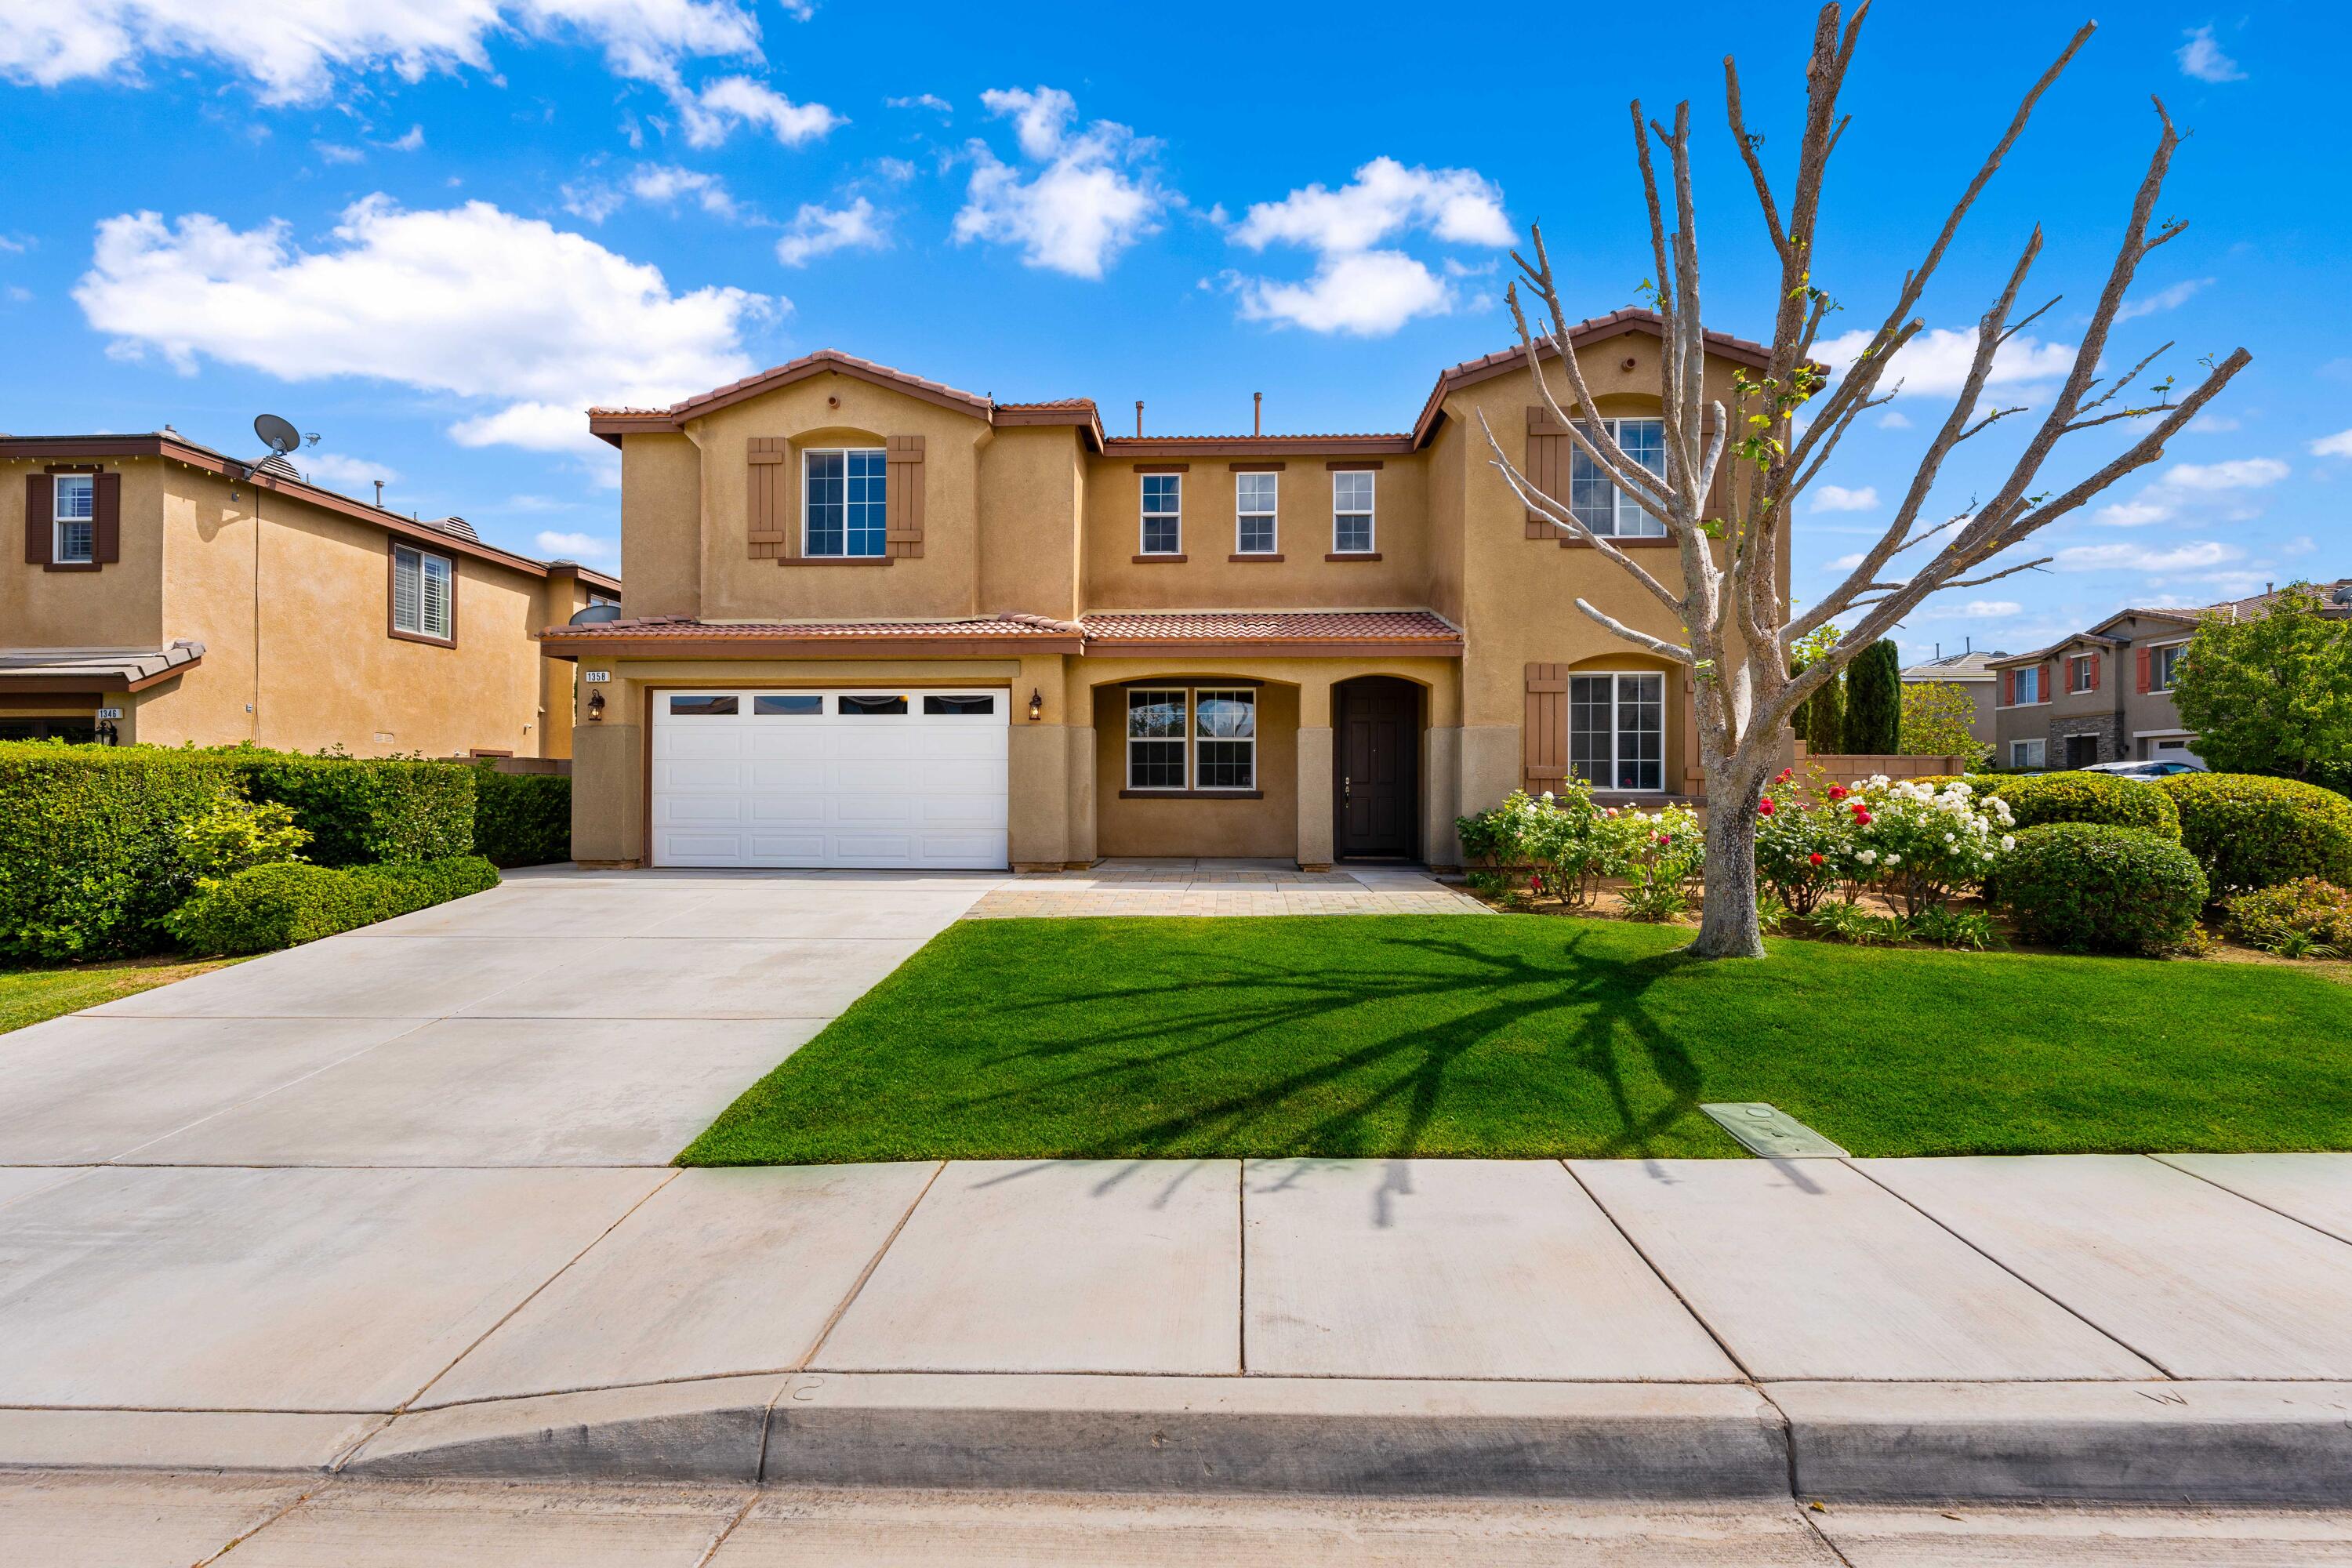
(1737, 630)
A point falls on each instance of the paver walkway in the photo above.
(1208, 886)
(398, 1189)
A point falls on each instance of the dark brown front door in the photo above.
(1378, 781)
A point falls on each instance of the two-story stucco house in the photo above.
(166, 593)
(871, 620)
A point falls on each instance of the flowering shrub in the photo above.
(1925, 843)
(1572, 843)
(2305, 918)
(1659, 854)
(1803, 848)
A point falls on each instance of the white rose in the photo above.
(1895, 859)
(1951, 839)
(1868, 857)
(2007, 842)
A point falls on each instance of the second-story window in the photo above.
(1351, 513)
(2164, 664)
(2083, 672)
(1254, 499)
(846, 510)
(1597, 502)
(2029, 684)
(76, 520)
(422, 598)
(1163, 514)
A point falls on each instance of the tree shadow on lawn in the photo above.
(1407, 1072)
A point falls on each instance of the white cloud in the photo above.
(2138, 513)
(1460, 207)
(2336, 446)
(292, 50)
(1837, 497)
(819, 231)
(1094, 194)
(2170, 299)
(336, 152)
(2203, 58)
(336, 472)
(708, 115)
(593, 201)
(898, 170)
(664, 184)
(1365, 293)
(1936, 362)
(2213, 425)
(931, 100)
(410, 141)
(2193, 557)
(1974, 610)
(587, 547)
(2238, 474)
(472, 301)
(1894, 419)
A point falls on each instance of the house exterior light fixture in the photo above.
(1036, 704)
(596, 708)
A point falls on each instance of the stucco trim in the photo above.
(1258, 555)
(1158, 560)
(1354, 555)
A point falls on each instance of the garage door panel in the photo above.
(693, 810)
(690, 739)
(672, 776)
(780, 777)
(784, 848)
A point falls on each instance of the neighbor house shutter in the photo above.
(41, 495)
(768, 498)
(1546, 467)
(1544, 737)
(2008, 688)
(2143, 672)
(2049, 683)
(106, 508)
(2095, 662)
(902, 496)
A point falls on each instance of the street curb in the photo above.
(709, 1429)
(2273, 1443)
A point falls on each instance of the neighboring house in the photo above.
(871, 620)
(2105, 695)
(148, 604)
(1971, 673)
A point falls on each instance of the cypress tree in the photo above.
(1825, 718)
(1873, 701)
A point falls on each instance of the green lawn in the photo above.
(29, 995)
(1528, 1035)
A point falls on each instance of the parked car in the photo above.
(2146, 770)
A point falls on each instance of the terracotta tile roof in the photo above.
(1270, 626)
(684, 628)
(1053, 403)
(792, 369)
(1111, 630)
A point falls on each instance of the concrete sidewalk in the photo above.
(394, 1204)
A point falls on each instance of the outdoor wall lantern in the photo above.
(596, 708)
(1036, 705)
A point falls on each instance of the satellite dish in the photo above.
(276, 434)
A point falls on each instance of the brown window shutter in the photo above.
(1546, 467)
(2143, 672)
(106, 509)
(1543, 742)
(40, 536)
(2095, 662)
(767, 496)
(903, 497)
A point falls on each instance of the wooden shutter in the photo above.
(2009, 687)
(2095, 662)
(1546, 467)
(106, 509)
(41, 495)
(1543, 742)
(2143, 672)
(2048, 689)
(768, 498)
(903, 497)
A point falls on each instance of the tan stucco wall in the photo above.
(119, 606)
(661, 520)
(1200, 823)
(1032, 488)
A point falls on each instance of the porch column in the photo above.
(1315, 775)
(1082, 796)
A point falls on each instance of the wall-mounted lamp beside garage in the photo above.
(1036, 705)
(596, 708)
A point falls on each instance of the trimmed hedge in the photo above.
(89, 848)
(521, 819)
(2087, 797)
(366, 811)
(269, 906)
(2248, 831)
(2089, 885)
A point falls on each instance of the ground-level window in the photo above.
(1351, 513)
(75, 519)
(1595, 499)
(1253, 506)
(1225, 744)
(1155, 740)
(1163, 514)
(422, 598)
(2026, 753)
(1617, 730)
(846, 510)
(2164, 664)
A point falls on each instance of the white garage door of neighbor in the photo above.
(890, 777)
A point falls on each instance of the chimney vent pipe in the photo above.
(1257, 413)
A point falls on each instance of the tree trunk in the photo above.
(1727, 924)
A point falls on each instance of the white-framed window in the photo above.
(2028, 685)
(2026, 753)
(1155, 739)
(1597, 502)
(2164, 666)
(423, 594)
(845, 502)
(1224, 739)
(1352, 513)
(1163, 514)
(2083, 672)
(74, 514)
(1253, 505)
(1617, 729)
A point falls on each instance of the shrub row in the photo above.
(2087, 797)
(2248, 831)
(521, 819)
(268, 907)
(2090, 885)
(363, 811)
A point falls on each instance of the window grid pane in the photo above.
(1644, 441)
(847, 508)
(1163, 511)
(406, 567)
(76, 497)
(1225, 749)
(1254, 501)
(76, 541)
(1640, 731)
(435, 598)
(1351, 513)
(1591, 727)
(1155, 740)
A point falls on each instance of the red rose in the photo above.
(1783, 775)
(1861, 817)
(1816, 858)
(1839, 792)
(1764, 806)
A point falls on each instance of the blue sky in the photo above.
(431, 230)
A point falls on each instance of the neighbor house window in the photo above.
(1225, 740)
(423, 595)
(2028, 685)
(1155, 740)
(76, 520)
(1163, 513)
(1254, 498)
(1597, 502)
(2164, 664)
(2025, 753)
(2083, 672)
(1617, 730)
(846, 515)
(1351, 513)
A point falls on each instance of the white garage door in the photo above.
(863, 778)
